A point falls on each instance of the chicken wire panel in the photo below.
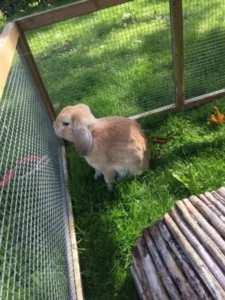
(35, 254)
(117, 60)
(204, 44)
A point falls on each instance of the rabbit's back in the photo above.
(119, 142)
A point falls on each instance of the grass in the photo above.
(193, 161)
(106, 64)
(124, 66)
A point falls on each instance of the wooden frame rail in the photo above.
(65, 12)
(190, 103)
(8, 42)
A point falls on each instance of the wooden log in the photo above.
(159, 263)
(199, 248)
(213, 286)
(216, 203)
(211, 205)
(218, 197)
(208, 229)
(201, 235)
(190, 273)
(138, 267)
(209, 214)
(221, 192)
(182, 283)
(138, 283)
(157, 289)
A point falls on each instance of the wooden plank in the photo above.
(196, 101)
(65, 12)
(8, 43)
(190, 273)
(199, 248)
(215, 289)
(138, 267)
(208, 229)
(201, 235)
(218, 197)
(190, 103)
(157, 289)
(76, 265)
(221, 192)
(164, 109)
(29, 59)
(159, 263)
(176, 14)
(209, 214)
(138, 284)
(216, 203)
(177, 275)
(211, 205)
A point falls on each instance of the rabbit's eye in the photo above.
(66, 123)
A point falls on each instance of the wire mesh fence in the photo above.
(204, 44)
(117, 60)
(35, 251)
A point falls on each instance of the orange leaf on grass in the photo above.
(217, 118)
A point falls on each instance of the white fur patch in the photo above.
(120, 171)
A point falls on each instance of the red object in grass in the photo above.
(159, 140)
(11, 173)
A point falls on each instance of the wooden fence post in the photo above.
(176, 15)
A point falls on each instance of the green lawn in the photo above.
(123, 65)
(193, 161)
(111, 60)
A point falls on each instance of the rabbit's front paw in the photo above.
(97, 174)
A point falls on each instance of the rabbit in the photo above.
(111, 145)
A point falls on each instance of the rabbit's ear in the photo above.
(82, 139)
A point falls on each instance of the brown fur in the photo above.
(117, 142)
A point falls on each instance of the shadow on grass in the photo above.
(128, 78)
(127, 73)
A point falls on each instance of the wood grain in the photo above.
(206, 226)
(161, 267)
(8, 42)
(65, 12)
(138, 267)
(176, 14)
(199, 248)
(183, 255)
(157, 289)
(187, 268)
(209, 214)
(198, 264)
(201, 235)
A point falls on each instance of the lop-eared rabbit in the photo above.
(111, 145)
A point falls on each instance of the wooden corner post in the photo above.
(176, 15)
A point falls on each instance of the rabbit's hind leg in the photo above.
(109, 176)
